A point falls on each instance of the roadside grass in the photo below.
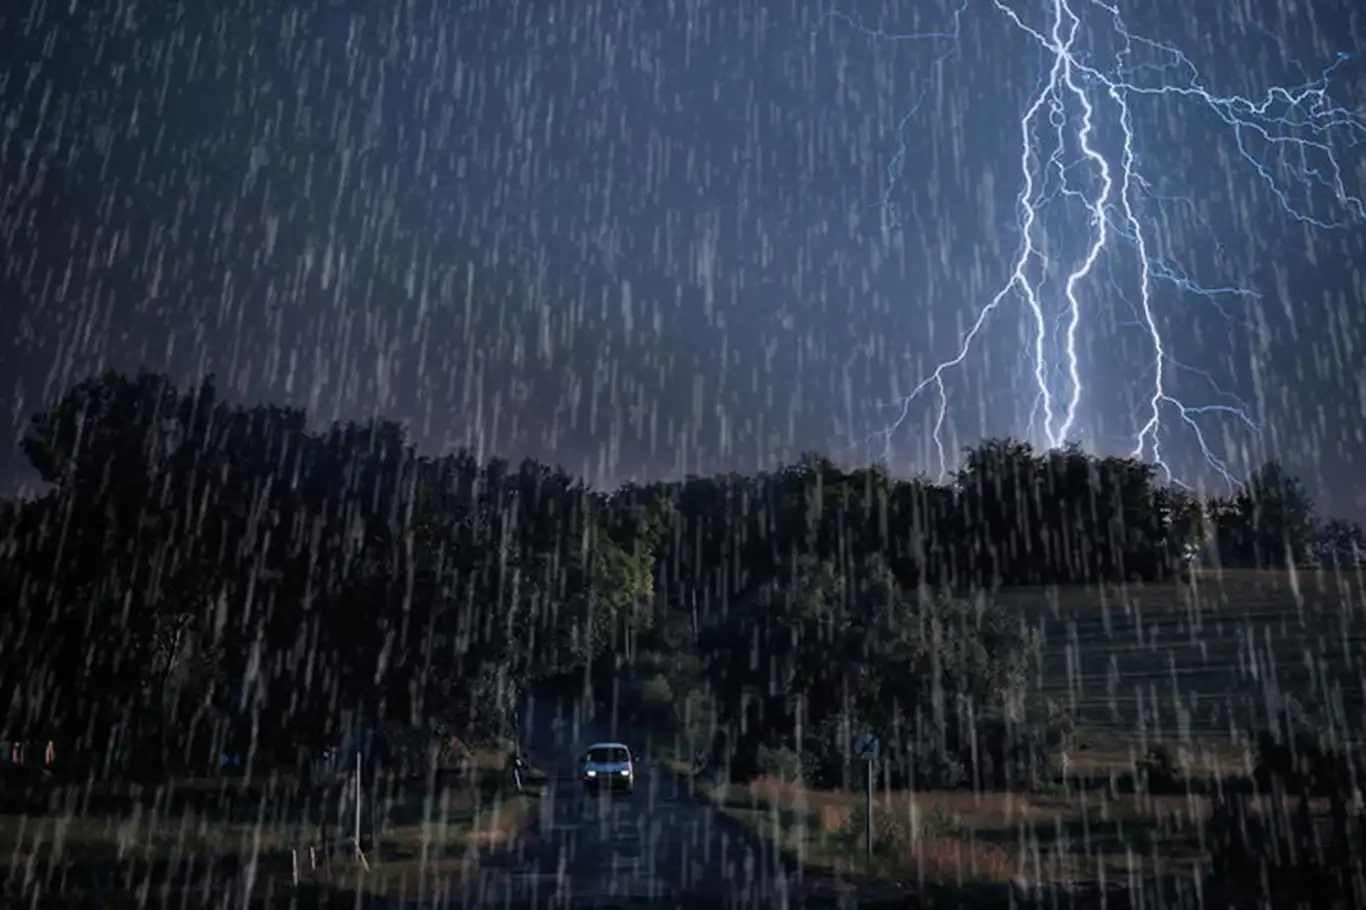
(984, 846)
(953, 839)
(1186, 665)
(189, 842)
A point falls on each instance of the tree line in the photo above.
(202, 576)
(798, 606)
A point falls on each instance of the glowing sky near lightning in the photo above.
(1293, 138)
(647, 239)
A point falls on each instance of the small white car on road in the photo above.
(608, 767)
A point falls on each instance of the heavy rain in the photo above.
(682, 453)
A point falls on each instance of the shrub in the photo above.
(993, 751)
(892, 833)
(1298, 752)
(938, 768)
(825, 758)
(691, 712)
(452, 752)
(657, 698)
(1160, 772)
(1013, 754)
(939, 822)
(779, 761)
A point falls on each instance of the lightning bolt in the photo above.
(1298, 126)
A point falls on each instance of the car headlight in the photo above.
(625, 773)
(591, 773)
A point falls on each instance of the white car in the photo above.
(608, 766)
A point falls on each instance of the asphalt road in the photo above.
(657, 847)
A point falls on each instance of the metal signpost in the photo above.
(867, 749)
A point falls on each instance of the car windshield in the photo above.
(608, 755)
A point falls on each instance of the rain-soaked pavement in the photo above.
(656, 847)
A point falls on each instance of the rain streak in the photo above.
(566, 454)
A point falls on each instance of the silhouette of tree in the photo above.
(204, 575)
(1269, 523)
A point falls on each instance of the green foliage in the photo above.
(1012, 752)
(256, 578)
(262, 578)
(827, 761)
(828, 653)
(657, 696)
(779, 761)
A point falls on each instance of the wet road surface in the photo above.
(656, 847)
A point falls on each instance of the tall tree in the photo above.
(1270, 521)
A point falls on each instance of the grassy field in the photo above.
(193, 842)
(1194, 664)
(1187, 666)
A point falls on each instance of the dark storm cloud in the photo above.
(635, 238)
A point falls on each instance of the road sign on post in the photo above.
(867, 749)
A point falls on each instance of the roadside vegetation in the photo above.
(1050, 726)
(1148, 789)
(266, 840)
(1077, 673)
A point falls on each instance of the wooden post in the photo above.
(868, 807)
(360, 854)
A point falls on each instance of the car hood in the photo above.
(605, 767)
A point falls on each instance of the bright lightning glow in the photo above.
(1300, 122)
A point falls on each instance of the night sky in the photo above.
(645, 238)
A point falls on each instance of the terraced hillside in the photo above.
(1187, 663)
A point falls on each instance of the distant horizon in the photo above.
(22, 482)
